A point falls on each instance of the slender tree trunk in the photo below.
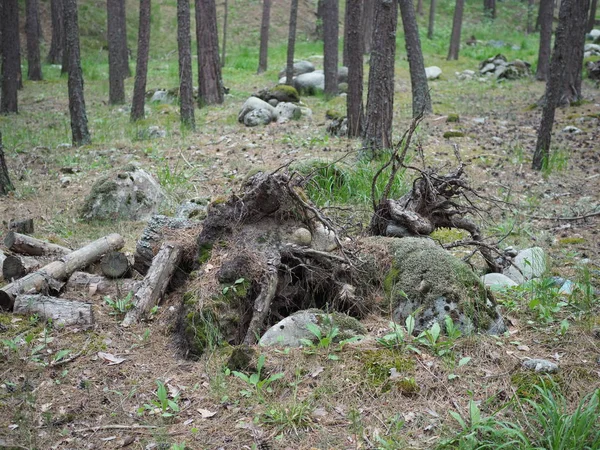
(5, 184)
(122, 31)
(57, 40)
(345, 55)
(546, 16)
(431, 19)
(421, 100)
(64, 69)
(330, 38)
(489, 9)
(572, 71)
(319, 21)
(380, 98)
(184, 44)
(32, 26)
(354, 101)
(10, 57)
(420, 7)
(79, 123)
(456, 30)
(530, 9)
(289, 71)
(571, 24)
(264, 36)
(367, 25)
(210, 82)
(224, 47)
(141, 68)
(116, 85)
(592, 19)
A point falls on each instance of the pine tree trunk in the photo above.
(264, 36)
(489, 9)
(571, 87)
(141, 68)
(592, 19)
(210, 82)
(345, 55)
(380, 98)
(289, 72)
(5, 184)
(354, 101)
(421, 100)
(431, 19)
(456, 30)
(420, 7)
(367, 25)
(571, 24)
(186, 86)
(64, 69)
(116, 91)
(11, 61)
(319, 21)
(546, 16)
(122, 32)
(224, 46)
(79, 127)
(32, 26)
(330, 46)
(57, 40)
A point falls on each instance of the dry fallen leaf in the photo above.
(315, 373)
(205, 413)
(523, 348)
(112, 359)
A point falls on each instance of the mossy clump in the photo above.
(527, 383)
(242, 359)
(453, 134)
(204, 252)
(447, 235)
(285, 93)
(378, 365)
(348, 326)
(332, 114)
(571, 241)
(202, 331)
(453, 118)
(323, 174)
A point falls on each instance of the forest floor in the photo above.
(328, 398)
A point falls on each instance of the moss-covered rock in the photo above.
(453, 118)
(453, 134)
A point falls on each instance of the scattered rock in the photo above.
(254, 103)
(433, 72)
(310, 83)
(478, 120)
(501, 69)
(594, 34)
(300, 68)
(593, 70)
(531, 262)
(162, 97)
(466, 75)
(497, 281)
(591, 50)
(323, 239)
(540, 365)
(258, 117)
(338, 127)
(497, 140)
(152, 132)
(287, 111)
(280, 93)
(301, 236)
(571, 130)
(65, 181)
(192, 209)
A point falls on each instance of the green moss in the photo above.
(447, 235)
(526, 383)
(348, 326)
(453, 118)
(408, 386)
(377, 366)
(453, 134)
(571, 241)
(389, 281)
(241, 359)
(204, 252)
(289, 91)
(140, 197)
(332, 114)
(202, 331)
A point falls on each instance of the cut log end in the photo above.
(6, 301)
(115, 265)
(15, 267)
(24, 226)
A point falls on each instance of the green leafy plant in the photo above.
(234, 287)
(257, 385)
(433, 340)
(400, 337)
(163, 404)
(120, 305)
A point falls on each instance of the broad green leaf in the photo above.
(464, 361)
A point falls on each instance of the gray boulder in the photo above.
(310, 83)
(531, 262)
(323, 239)
(287, 111)
(291, 331)
(433, 72)
(281, 93)
(162, 97)
(254, 103)
(497, 281)
(128, 194)
(595, 34)
(258, 117)
(540, 365)
(343, 74)
(300, 67)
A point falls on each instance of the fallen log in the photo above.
(98, 284)
(24, 226)
(60, 269)
(155, 283)
(62, 312)
(2, 258)
(114, 265)
(20, 243)
(15, 267)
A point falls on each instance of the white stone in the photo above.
(488, 68)
(595, 34)
(323, 239)
(531, 262)
(254, 103)
(571, 129)
(433, 72)
(497, 281)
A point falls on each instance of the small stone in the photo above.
(531, 262)
(65, 181)
(540, 365)
(571, 129)
(478, 120)
(399, 231)
(488, 68)
(510, 251)
(497, 281)
(433, 72)
(497, 140)
(323, 239)
(595, 34)
(302, 237)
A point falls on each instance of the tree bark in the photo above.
(224, 46)
(122, 31)
(489, 9)
(79, 123)
(97, 284)
(421, 100)
(11, 60)
(546, 16)
(32, 26)
(380, 98)
(15, 267)
(5, 184)
(431, 26)
(210, 81)
(571, 24)
(2, 255)
(60, 269)
(354, 101)
(367, 25)
(456, 30)
(141, 68)
(345, 55)
(592, 19)
(114, 265)
(330, 46)
(57, 41)
(319, 21)
(571, 87)
(420, 8)
(28, 245)
(264, 37)
(62, 312)
(155, 283)
(116, 91)
(289, 72)
(186, 84)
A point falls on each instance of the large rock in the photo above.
(497, 281)
(300, 67)
(290, 331)
(258, 117)
(595, 34)
(343, 74)
(531, 262)
(287, 111)
(254, 103)
(310, 83)
(162, 97)
(433, 72)
(128, 194)
(281, 93)
(427, 282)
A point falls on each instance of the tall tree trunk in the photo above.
(32, 26)
(64, 69)
(210, 82)
(592, 19)
(345, 55)
(431, 19)
(421, 100)
(79, 123)
(420, 7)
(116, 85)
(546, 16)
(319, 21)
(354, 101)
(289, 71)
(264, 36)
(11, 61)
(224, 47)
(330, 46)
(489, 9)
(184, 44)
(57, 40)
(380, 98)
(367, 25)
(141, 67)
(456, 30)
(122, 30)
(571, 24)
(530, 9)
(572, 71)
(5, 184)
